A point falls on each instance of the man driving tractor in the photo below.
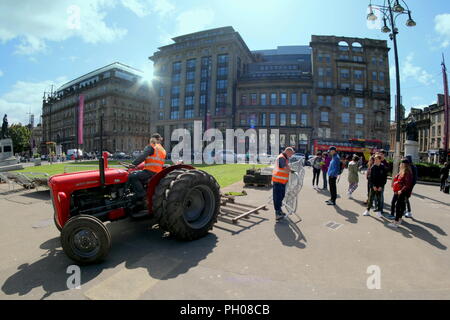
(154, 156)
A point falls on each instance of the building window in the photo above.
(345, 117)
(345, 73)
(293, 99)
(381, 76)
(320, 100)
(176, 66)
(324, 133)
(189, 101)
(359, 87)
(328, 101)
(359, 134)
(222, 58)
(222, 71)
(263, 99)
(283, 99)
(321, 72)
(190, 88)
(190, 75)
(304, 99)
(191, 63)
(161, 91)
(175, 115)
(324, 116)
(222, 84)
(273, 99)
(203, 85)
(293, 119)
(345, 134)
(273, 119)
(374, 75)
(263, 119)
(320, 84)
(345, 101)
(176, 77)
(329, 84)
(160, 116)
(175, 102)
(283, 119)
(203, 99)
(161, 105)
(243, 119)
(304, 119)
(175, 90)
(359, 119)
(244, 101)
(359, 102)
(358, 74)
(253, 99)
(188, 113)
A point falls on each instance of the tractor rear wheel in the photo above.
(160, 192)
(191, 205)
(85, 239)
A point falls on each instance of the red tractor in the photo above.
(182, 200)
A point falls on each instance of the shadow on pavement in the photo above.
(431, 226)
(132, 242)
(351, 216)
(414, 231)
(39, 195)
(425, 197)
(290, 234)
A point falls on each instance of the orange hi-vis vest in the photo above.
(155, 162)
(280, 175)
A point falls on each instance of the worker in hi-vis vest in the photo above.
(280, 177)
(154, 156)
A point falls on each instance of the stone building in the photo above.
(430, 123)
(116, 91)
(335, 88)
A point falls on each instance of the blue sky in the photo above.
(44, 43)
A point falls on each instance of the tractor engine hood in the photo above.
(70, 182)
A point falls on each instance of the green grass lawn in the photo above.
(225, 174)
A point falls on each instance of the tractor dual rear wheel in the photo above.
(85, 239)
(191, 205)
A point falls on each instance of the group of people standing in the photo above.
(377, 172)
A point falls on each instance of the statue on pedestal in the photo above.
(4, 133)
(412, 133)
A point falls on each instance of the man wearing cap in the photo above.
(154, 156)
(334, 170)
(280, 177)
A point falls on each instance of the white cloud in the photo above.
(409, 70)
(194, 20)
(143, 8)
(442, 27)
(34, 23)
(25, 96)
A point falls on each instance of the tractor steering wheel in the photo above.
(126, 165)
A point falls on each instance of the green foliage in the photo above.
(20, 136)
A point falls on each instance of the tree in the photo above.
(20, 136)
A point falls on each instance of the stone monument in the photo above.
(412, 138)
(7, 160)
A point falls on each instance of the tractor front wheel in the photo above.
(85, 239)
(191, 205)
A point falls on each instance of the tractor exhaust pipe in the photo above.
(102, 155)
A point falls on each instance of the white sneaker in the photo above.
(349, 195)
(378, 213)
(366, 213)
(408, 215)
(393, 225)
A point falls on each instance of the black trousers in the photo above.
(316, 175)
(137, 180)
(333, 188)
(400, 206)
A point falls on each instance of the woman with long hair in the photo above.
(402, 186)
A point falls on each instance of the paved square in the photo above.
(325, 256)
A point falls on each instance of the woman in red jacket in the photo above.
(402, 186)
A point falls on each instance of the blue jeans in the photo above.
(279, 191)
(324, 179)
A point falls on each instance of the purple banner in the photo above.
(80, 119)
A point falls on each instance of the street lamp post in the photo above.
(390, 14)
